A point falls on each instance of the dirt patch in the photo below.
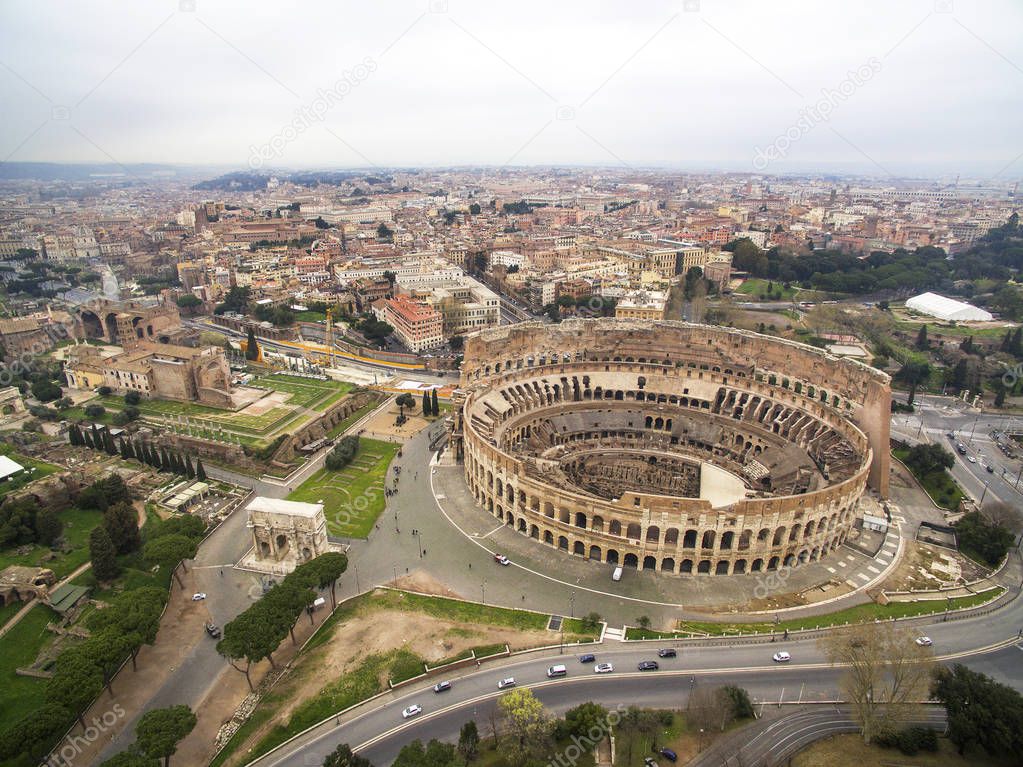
(374, 630)
(924, 566)
(424, 583)
(267, 403)
(383, 422)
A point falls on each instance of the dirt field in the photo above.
(373, 630)
(915, 571)
(383, 422)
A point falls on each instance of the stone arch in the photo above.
(703, 567)
(726, 539)
(580, 520)
(579, 548)
(757, 566)
(671, 536)
(597, 523)
(615, 528)
(534, 532)
(633, 531)
(740, 566)
(708, 540)
(686, 566)
(772, 563)
(649, 563)
(612, 557)
(548, 537)
(779, 535)
(563, 543)
(653, 534)
(667, 565)
(722, 567)
(631, 560)
(689, 540)
(595, 553)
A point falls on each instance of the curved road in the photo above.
(378, 731)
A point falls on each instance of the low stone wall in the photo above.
(320, 427)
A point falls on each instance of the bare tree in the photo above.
(710, 707)
(999, 513)
(887, 673)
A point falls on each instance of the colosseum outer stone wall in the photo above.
(669, 446)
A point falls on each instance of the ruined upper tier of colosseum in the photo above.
(669, 446)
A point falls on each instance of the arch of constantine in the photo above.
(668, 446)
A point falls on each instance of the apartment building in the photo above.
(418, 325)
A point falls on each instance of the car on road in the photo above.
(588, 658)
(971, 459)
(603, 668)
(668, 754)
(782, 657)
(411, 711)
(990, 469)
(198, 596)
(961, 449)
(924, 641)
(506, 683)
(213, 630)
(667, 652)
(648, 665)
(501, 559)
(442, 687)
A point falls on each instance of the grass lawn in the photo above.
(20, 646)
(78, 523)
(305, 392)
(353, 497)
(851, 751)
(758, 288)
(7, 612)
(858, 614)
(34, 470)
(944, 490)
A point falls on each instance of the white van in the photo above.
(617, 574)
(553, 671)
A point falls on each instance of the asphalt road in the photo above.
(378, 730)
(936, 417)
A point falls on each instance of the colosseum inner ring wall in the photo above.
(598, 437)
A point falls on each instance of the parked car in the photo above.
(648, 665)
(603, 668)
(990, 469)
(506, 683)
(198, 596)
(666, 652)
(442, 687)
(213, 630)
(668, 754)
(782, 657)
(587, 658)
(411, 711)
(924, 641)
(502, 559)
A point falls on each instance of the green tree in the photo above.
(134, 614)
(527, 721)
(913, 374)
(580, 720)
(132, 398)
(426, 403)
(121, 523)
(131, 758)
(469, 741)
(324, 571)
(75, 683)
(46, 391)
(434, 405)
(981, 712)
(103, 555)
(159, 731)
(251, 347)
(35, 733)
(474, 209)
(200, 472)
(48, 526)
(169, 551)
(435, 754)
(403, 401)
(921, 338)
(343, 756)
(94, 411)
(249, 638)
(983, 540)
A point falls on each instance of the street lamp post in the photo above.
(483, 589)
(571, 604)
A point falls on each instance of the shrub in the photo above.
(95, 411)
(343, 453)
(132, 398)
(104, 390)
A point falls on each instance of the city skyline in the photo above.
(921, 89)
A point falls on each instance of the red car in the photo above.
(502, 559)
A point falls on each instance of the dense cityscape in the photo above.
(310, 460)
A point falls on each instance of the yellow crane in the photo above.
(330, 337)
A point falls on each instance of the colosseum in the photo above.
(668, 446)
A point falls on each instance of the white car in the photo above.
(198, 596)
(924, 641)
(782, 657)
(505, 683)
(411, 711)
(971, 459)
(603, 668)
(502, 559)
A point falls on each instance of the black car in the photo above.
(990, 469)
(588, 658)
(442, 687)
(667, 652)
(648, 665)
(668, 754)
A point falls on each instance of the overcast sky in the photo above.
(911, 86)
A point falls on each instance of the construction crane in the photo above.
(330, 337)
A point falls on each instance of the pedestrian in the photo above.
(470, 565)
(424, 552)
(523, 597)
(221, 572)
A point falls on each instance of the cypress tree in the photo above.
(436, 405)
(426, 403)
(189, 471)
(200, 472)
(73, 435)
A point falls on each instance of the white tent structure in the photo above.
(947, 309)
